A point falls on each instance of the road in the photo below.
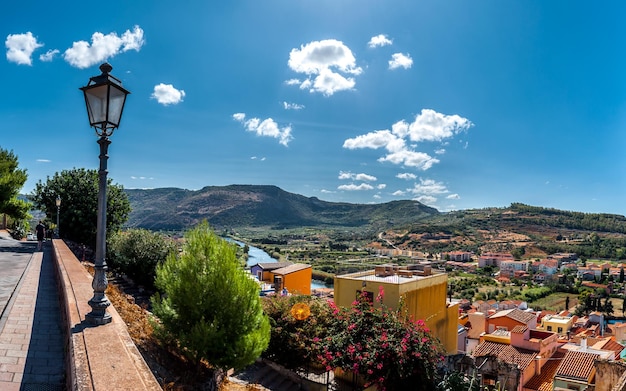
(14, 257)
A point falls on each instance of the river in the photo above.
(256, 255)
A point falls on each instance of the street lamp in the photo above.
(58, 202)
(105, 98)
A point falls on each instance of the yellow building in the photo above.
(556, 323)
(424, 295)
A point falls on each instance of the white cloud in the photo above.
(324, 191)
(49, 55)
(377, 196)
(20, 48)
(141, 178)
(365, 177)
(453, 197)
(44, 160)
(353, 187)
(292, 106)
(399, 193)
(426, 200)
(430, 125)
(166, 94)
(329, 82)
(265, 128)
(347, 175)
(429, 187)
(420, 160)
(440, 151)
(292, 82)
(379, 40)
(400, 60)
(406, 175)
(373, 140)
(427, 126)
(256, 158)
(381, 186)
(102, 47)
(327, 64)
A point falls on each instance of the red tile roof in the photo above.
(507, 353)
(577, 365)
(610, 344)
(515, 314)
(544, 380)
(519, 329)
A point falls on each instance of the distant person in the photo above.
(41, 233)
(284, 292)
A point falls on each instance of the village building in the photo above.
(422, 292)
(284, 277)
(494, 259)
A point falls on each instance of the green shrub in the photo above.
(137, 252)
(210, 305)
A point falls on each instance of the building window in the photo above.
(559, 330)
(549, 328)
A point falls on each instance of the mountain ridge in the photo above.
(260, 206)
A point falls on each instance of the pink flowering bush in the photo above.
(379, 345)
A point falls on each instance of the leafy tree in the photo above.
(12, 180)
(78, 189)
(137, 252)
(518, 252)
(210, 305)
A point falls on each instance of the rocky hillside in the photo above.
(524, 230)
(261, 206)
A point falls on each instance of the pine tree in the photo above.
(209, 304)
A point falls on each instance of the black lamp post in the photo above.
(105, 98)
(58, 202)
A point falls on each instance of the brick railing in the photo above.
(98, 358)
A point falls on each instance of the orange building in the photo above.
(296, 278)
(508, 319)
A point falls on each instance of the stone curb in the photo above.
(98, 357)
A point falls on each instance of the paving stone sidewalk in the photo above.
(31, 339)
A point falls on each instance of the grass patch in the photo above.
(555, 302)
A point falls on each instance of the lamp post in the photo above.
(105, 98)
(58, 202)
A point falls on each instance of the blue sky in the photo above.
(457, 104)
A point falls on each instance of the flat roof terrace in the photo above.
(394, 274)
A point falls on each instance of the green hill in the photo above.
(261, 206)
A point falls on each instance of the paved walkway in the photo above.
(31, 339)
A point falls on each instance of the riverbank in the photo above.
(257, 255)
